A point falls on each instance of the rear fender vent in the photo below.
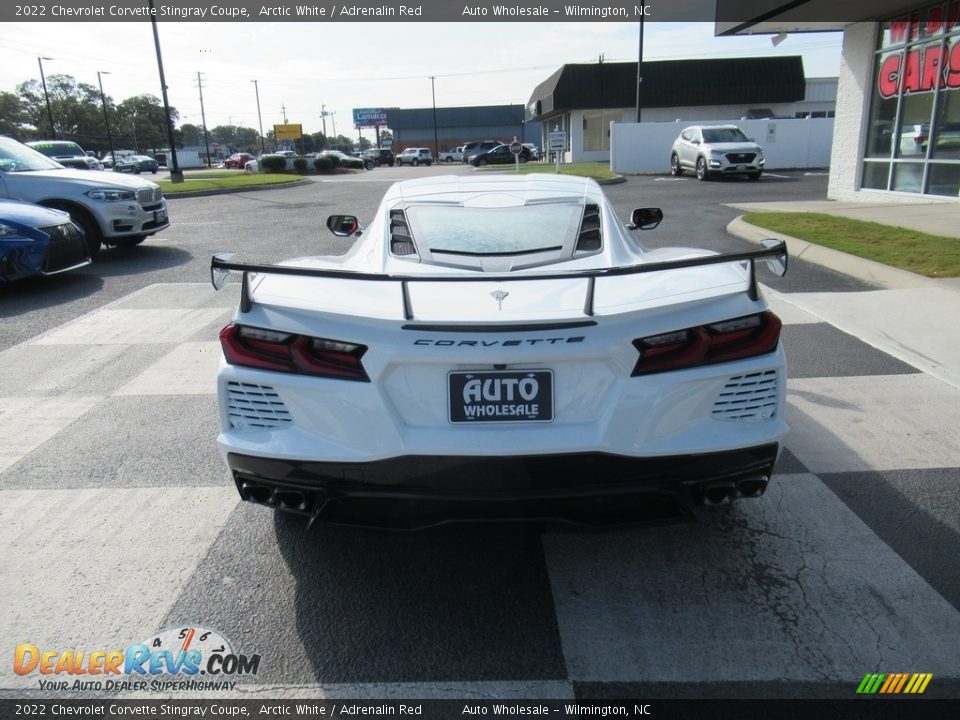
(748, 398)
(401, 240)
(255, 407)
(588, 239)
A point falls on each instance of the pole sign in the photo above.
(288, 132)
(516, 148)
(557, 141)
(369, 117)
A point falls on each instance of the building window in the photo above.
(913, 130)
(596, 129)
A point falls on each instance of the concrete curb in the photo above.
(860, 268)
(228, 191)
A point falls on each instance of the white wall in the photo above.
(788, 143)
(853, 98)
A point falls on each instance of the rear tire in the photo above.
(675, 168)
(701, 169)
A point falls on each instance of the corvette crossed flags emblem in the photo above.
(499, 296)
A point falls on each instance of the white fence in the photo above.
(788, 143)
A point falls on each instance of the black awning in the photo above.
(671, 83)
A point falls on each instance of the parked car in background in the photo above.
(500, 155)
(238, 160)
(534, 151)
(36, 240)
(67, 153)
(716, 149)
(136, 164)
(449, 156)
(415, 156)
(112, 209)
(475, 148)
(381, 156)
(520, 367)
(348, 161)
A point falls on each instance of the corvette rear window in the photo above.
(494, 230)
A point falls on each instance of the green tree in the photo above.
(192, 134)
(76, 110)
(13, 117)
(142, 125)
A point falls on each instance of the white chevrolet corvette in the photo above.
(500, 348)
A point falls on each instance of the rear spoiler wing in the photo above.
(774, 252)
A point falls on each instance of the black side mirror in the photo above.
(645, 218)
(343, 225)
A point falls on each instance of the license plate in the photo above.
(517, 396)
(159, 215)
(741, 167)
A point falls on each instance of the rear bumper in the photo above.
(593, 489)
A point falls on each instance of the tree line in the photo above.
(136, 123)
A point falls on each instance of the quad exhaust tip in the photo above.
(718, 492)
(283, 498)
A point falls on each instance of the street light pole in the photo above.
(256, 89)
(46, 96)
(436, 144)
(323, 116)
(106, 120)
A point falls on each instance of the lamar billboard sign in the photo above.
(369, 117)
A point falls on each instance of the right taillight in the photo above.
(292, 353)
(706, 344)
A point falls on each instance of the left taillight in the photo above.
(707, 344)
(292, 353)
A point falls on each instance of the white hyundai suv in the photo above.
(112, 209)
(716, 149)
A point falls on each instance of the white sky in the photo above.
(343, 66)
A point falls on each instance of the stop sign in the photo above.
(516, 148)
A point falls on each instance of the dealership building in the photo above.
(583, 100)
(897, 125)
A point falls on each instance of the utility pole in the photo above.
(256, 89)
(283, 109)
(640, 72)
(323, 116)
(203, 117)
(43, 79)
(176, 174)
(106, 120)
(436, 143)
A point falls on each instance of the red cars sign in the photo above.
(927, 67)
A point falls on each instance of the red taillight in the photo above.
(717, 342)
(292, 353)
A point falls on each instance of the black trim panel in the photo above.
(419, 491)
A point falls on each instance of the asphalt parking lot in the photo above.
(118, 518)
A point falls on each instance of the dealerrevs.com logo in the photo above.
(181, 658)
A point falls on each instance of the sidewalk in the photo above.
(911, 317)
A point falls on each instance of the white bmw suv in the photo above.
(716, 149)
(112, 209)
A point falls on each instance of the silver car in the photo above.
(720, 149)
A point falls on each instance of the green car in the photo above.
(136, 164)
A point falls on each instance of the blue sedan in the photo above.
(36, 240)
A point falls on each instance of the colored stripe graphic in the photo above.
(894, 683)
